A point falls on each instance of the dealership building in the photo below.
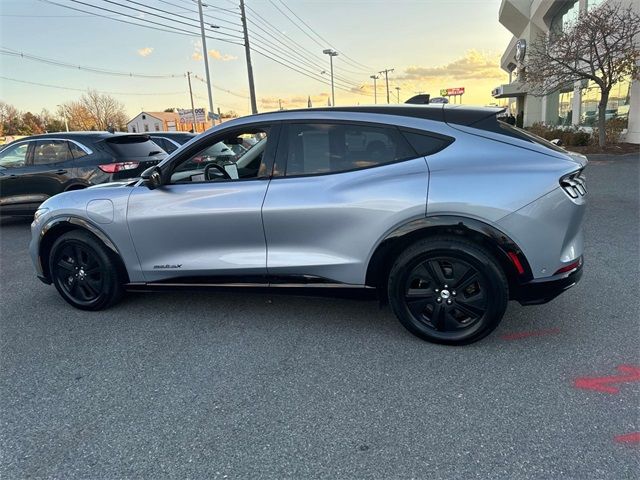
(575, 105)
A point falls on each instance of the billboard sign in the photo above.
(449, 92)
(186, 115)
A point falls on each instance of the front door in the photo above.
(204, 225)
(16, 195)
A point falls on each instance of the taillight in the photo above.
(118, 167)
(572, 266)
(574, 184)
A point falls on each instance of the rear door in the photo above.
(132, 155)
(52, 167)
(337, 190)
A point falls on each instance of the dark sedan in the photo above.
(35, 168)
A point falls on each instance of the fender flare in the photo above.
(503, 245)
(76, 222)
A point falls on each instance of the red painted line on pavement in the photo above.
(605, 384)
(628, 438)
(535, 333)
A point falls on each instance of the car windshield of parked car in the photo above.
(14, 157)
(228, 159)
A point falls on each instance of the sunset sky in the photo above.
(430, 44)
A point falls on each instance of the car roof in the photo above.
(458, 114)
(171, 134)
(81, 135)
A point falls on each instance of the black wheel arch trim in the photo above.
(502, 243)
(77, 223)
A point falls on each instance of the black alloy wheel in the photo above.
(84, 271)
(448, 290)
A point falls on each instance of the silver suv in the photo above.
(444, 210)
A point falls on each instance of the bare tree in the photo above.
(94, 111)
(600, 46)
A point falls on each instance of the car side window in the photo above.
(76, 151)
(49, 152)
(425, 144)
(317, 148)
(238, 156)
(14, 157)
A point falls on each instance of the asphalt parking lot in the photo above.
(201, 385)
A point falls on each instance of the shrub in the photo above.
(570, 137)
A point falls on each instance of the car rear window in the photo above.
(133, 146)
(527, 136)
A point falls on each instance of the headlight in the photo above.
(39, 213)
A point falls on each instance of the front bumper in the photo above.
(543, 290)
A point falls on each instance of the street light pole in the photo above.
(206, 58)
(398, 93)
(332, 53)
(375, 89)
(193, 110)
(386, 77)
(64, 115)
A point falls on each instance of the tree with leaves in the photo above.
(601, 46)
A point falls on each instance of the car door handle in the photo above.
(61, 171)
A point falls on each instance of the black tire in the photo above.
(84, 271)
(448, 290)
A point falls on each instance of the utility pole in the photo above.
(386, 77)
(398, 93)
(205, 53)
(193, 109)
(375, 88)
(332, 53)
(247, 52)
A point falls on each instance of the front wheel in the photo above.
(84, 271)
(448, 290)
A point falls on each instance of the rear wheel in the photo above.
(448, 290)
(84, 271)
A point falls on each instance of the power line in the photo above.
(27, 82)
(16, 53)
(209, 16)
(161, 16)
(317, 63)
(327, 43)
(167, 29)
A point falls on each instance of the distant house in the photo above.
(156, 122)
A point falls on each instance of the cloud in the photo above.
(213, 54)
(145, 52)
(216, 55)
(474, 65)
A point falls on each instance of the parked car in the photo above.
(171, 141)
(442, 209)
(36, 168)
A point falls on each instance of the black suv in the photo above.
(35, 168)
(171, 141)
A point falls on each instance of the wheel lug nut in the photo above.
(448, 302)
(454, 293)
(438, 300)
(437, 290)
(446, 286)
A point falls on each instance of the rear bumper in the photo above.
(543, 290)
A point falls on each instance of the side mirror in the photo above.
(152, 177)
(557, 141)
